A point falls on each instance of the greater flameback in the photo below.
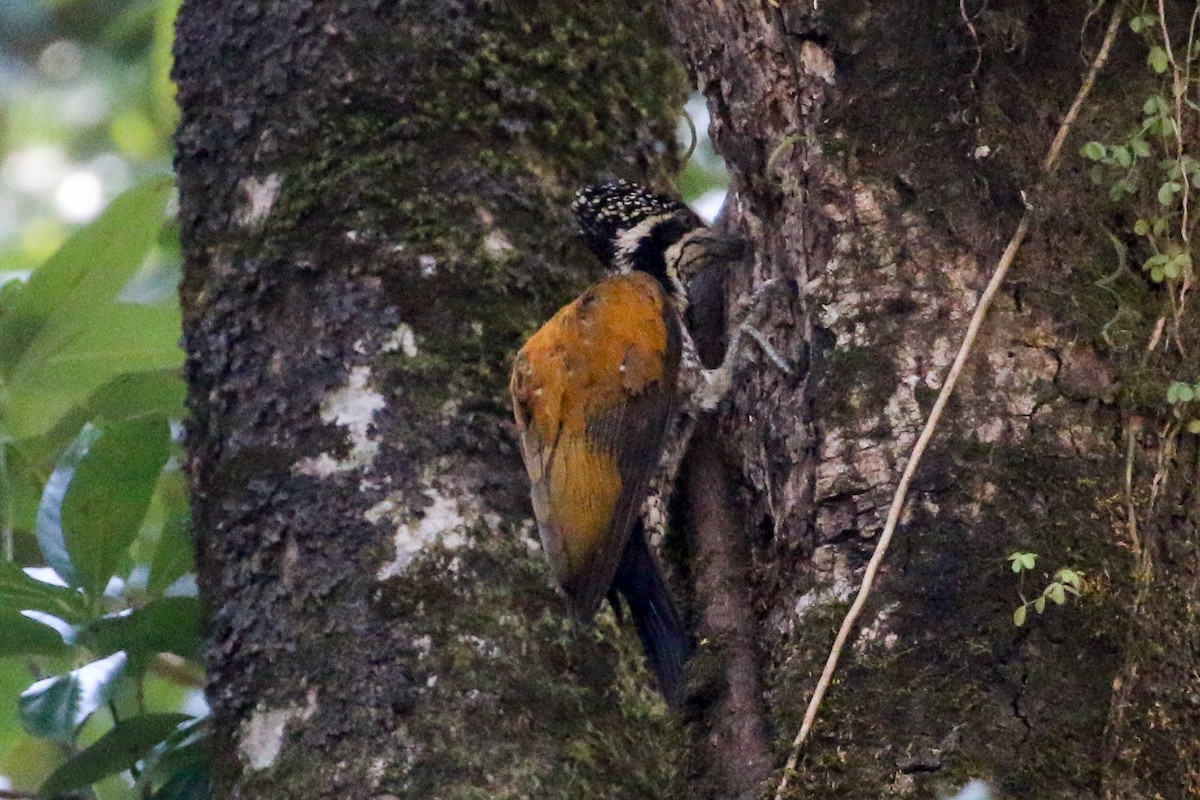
(594, 392)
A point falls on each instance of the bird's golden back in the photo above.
(593, 392)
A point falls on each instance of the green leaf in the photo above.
(1140, 147)
(1166, 192)
(62, 371)
(1193, 426)
(1142, 21)
(1141, 227)
(49, 527)
(1156, 274)
(163, 88)
(190, 783)
(188, 747)
(108, 496)
(1069, 577)
(1156, 105)
(24, 636)
(1179, 392)
(1157, 59)
(1123, 156)
(86, 273)
(1155, 262)
(1056, 593)
(1039, 604)
(54, 707)
(1028, 560)
(18, 591)
(166, 625)
(1019, 615)
(1120, 188)
(139, 394)
(173, 555)
(125, 397)
(117, 750)
(1093, 150)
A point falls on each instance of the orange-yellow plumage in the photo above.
(592, 392)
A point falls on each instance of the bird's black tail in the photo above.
(664, 639)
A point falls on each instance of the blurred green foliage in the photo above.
(704, 180)
(86, 111)
(103, 628)
(100, 656)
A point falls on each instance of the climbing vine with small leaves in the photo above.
(1154, 173)
(1066, 581)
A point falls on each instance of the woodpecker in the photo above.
(594, 392)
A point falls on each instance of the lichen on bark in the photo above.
(374, 210)
(880, 166)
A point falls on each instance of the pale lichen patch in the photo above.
(403, 339)
(835, 584)
(353, 407)
(877, 635)
(258, 195)
(497, 245)
(260, 739)
(817, 61)
(442, 522)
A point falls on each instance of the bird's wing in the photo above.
(593, 392)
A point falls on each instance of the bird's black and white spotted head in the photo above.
(629, 227)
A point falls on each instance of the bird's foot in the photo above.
(716, 383)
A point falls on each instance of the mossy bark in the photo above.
(879, 152)
(373, 205)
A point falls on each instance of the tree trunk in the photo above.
(878, 154)
(374, 207)
(373, 201)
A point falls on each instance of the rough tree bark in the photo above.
(879, 152)
(373, 205)
(374, 209)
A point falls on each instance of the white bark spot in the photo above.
(353, 407)
(866, 208)
(442, 523)
(876, 635)
(261, 736)
(497, 245)
(835, 582)
(817, 61)
(258, 195)
(403, 339)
